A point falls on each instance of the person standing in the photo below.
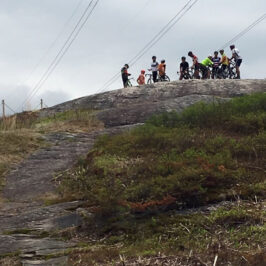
(125, 75)
(204, 67)
(216, 63)
(224, 61)
(195, 65)
(154, 69)
(184, 68)
(238, 59)
(162, 69)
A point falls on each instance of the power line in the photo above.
(63, 48)
(54, 42)
(10, 108)
(245, 31)
(114, 78)
(155, 39)
(67, 48)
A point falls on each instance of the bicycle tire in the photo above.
(167, 79)
(129, 84)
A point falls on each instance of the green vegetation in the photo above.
(136, 181)
(170, 162)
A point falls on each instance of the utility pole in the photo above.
(3, 109)
(41, 103)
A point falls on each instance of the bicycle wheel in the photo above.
(167, 78)
(129, 84)
(232, 73)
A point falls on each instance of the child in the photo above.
(141, 78)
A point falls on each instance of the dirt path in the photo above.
(24, 219)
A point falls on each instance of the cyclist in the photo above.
(224, 60)
(141, 78)
(125, 75)
(216, 63)
(195, 64)
(204, 67)
(162, 69)
(154, 69)
(238, 59)
(184, 68)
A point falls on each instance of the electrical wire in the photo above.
(64, 48)
(65, 51)
(245, 31)
(53, 43)
(8, 107)
(154, 40)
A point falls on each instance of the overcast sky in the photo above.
(116, 32)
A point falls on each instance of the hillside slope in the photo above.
(70, 177)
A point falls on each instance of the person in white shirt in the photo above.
(238, 59)
(154, 69)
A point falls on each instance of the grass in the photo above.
(21, 134)
(15, 145)
(135, 182)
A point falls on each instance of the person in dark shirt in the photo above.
(125, 75)
(184, 68)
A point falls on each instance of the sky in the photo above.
(116, 31)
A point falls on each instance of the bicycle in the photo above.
(129, 84)
(164, 79)
(150, 79)
(187, 74)
(232, 70)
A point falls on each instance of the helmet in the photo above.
(162, 61)
(154, 57)
(183, 58)
(216, 52)
(126, 65)
(210, 55)
(190, 53)
(142, 71)
(222, 51)
(232, 46)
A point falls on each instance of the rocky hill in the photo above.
(134, 105)
(38, 226)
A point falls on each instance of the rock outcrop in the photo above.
(136, 104)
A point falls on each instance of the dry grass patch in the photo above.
(14, 146)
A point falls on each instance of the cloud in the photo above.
(114, 34)
(14, 98)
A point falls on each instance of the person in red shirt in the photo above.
(141, 78)
(195, 64)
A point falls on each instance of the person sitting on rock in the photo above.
(125, 75)
(141, 78)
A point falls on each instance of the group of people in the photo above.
(213, 61)
(218, 64)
